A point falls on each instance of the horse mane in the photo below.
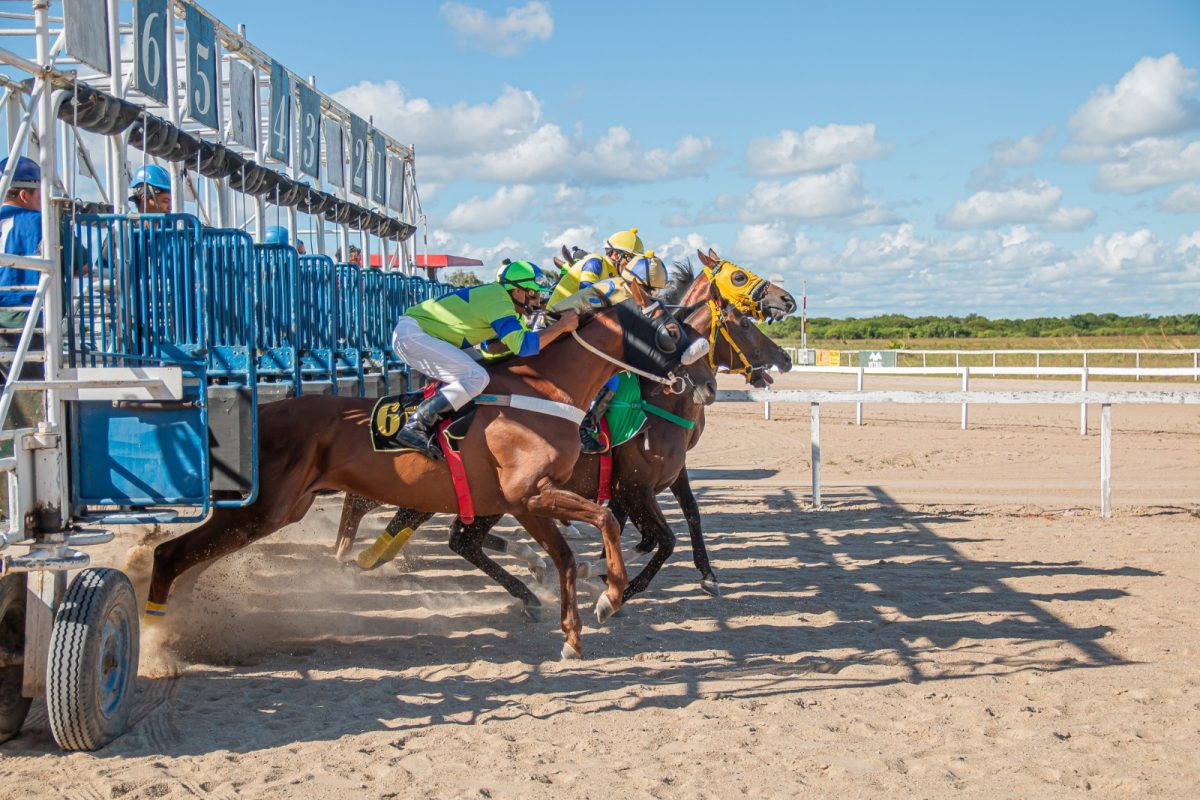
(680, 278)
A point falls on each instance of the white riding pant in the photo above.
(463, 378)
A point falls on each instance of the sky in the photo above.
(1017, 159)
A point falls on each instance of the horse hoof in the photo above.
(538, 569)
(710, 586)
(531, 613)
(570, 653)
(604, 609)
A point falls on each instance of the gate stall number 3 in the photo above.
(310, 131)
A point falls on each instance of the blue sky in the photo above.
(1016, 159)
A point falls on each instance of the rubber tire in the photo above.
(93, 660)
(13, 707)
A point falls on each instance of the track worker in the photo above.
(20, 235)
(430, 336)
(151, 190)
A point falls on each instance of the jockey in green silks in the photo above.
(624, 261)
(430, 338)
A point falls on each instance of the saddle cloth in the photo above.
(390, 413)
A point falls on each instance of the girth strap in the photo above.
(538, 405)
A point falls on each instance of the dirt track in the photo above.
(957, 620)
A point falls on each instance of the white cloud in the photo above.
(837, 193)
(503, 36)
(1069, 219)
(815, 149)
(1019, 152)
(762, 240)
(1184, 200)
(1149, 100)
(1148, 163)
(506, 207)
(677, 248)
(991, 208)
(584, 236)
(458, 129)
(506, 141)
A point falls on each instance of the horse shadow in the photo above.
(286, 647)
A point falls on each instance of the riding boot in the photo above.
(419, 431)
(590, 437)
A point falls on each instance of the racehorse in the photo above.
(655, 458)
(516, 459)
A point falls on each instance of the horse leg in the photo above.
(533, 562)
(648, 518)
(682, 489)
(226, 531)
(467, 541)
(554, 502)
(545, 532)
(354, 508)
(648, 542)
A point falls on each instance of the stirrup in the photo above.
(591, 444)
(425, 445)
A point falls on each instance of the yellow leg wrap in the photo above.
(156, 609)
(384, 549)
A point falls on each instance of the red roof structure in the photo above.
(439, 261)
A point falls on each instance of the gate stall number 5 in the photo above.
(202, 69)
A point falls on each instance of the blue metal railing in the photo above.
(276, 316)
(316, 319)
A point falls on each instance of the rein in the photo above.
(669, 383)
(718, 324)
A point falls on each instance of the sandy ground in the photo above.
(958, 620)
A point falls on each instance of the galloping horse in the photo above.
(516, 459)
(655, 459)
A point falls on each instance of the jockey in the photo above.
(621, 248)
(624, 262)
(430, 335)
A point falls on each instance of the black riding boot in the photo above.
(418, 432)
(590, 437)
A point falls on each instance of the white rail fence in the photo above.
(1106, 400)
(1084, 373)
(979, 358)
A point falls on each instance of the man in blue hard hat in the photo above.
(20, 234)
(151, 190)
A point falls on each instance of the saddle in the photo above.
(391, 413)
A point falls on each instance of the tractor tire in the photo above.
(13, 707)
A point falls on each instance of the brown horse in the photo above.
(655, 458)
(516, 460)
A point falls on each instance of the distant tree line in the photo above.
(900, 327)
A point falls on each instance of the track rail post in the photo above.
(815, 413)
(1106, 460)
(1083, 387)
(858, 407)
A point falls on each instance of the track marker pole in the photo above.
(816, 454)
(1106, 460)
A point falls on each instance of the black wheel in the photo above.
(13, 707)
(93, 660)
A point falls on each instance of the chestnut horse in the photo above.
(655, 458)
(516, 460)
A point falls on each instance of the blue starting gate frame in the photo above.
(348, 322)
(317, 316)
(277, 321)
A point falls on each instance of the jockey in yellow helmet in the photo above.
(620, 248)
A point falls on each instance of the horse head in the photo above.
(737, 343)
(750, 293)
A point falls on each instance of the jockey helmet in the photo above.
(524, 275)
(626, 242)
(26, 175)
(648, 270)
(276, 234)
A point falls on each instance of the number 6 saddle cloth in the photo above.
(390, 413)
